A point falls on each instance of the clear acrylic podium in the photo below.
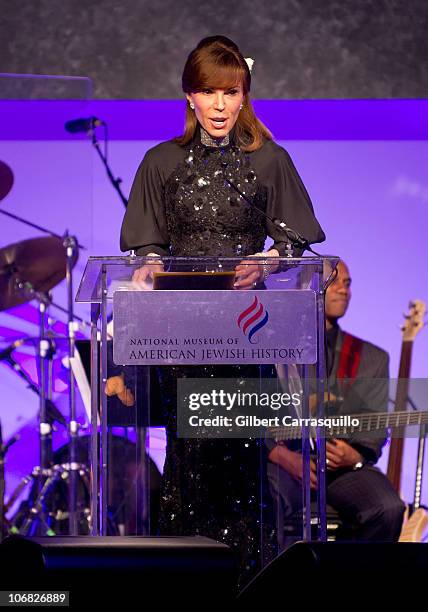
(189, 315)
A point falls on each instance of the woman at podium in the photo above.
(181, 205)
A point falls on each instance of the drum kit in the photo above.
(29, 270)
(59, 499)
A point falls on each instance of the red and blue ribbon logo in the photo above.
(252, 319)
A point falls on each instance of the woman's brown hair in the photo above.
(216, 62)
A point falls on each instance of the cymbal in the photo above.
(6, 180)
(41, 262)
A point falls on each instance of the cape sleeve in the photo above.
(144, 227)
(289, 201)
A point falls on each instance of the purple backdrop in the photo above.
(364, 163)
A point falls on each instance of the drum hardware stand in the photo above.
(44, 230)
(45, 475)
(45, 354)
(82, 324)
(47, 410)
(3, 450)
(71, 247)
(53, 414)
(53, 476)
(49, 475)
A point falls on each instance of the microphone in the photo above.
(7, 352)
(83, 124)
(293, 236)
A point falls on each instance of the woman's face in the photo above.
(217, 109)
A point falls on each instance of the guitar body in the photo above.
(414, 525)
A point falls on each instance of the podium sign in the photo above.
(221, 327)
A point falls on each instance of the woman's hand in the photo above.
(251, 271)
(141, 275)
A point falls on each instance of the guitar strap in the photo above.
(349, 360)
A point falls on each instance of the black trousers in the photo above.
(364, 499)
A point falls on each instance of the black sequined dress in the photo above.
(180, 205)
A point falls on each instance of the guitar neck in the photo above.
(366, 422)
(395, 459)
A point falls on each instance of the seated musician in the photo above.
(358, 378)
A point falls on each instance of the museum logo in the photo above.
(253, 319)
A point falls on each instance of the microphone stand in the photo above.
(114, 181)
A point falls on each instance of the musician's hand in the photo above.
(340, 454)
(249, 273)
(329, 398)
(292, 463)
(115, 385)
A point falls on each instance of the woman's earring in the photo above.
(240, 108)
(192, 106)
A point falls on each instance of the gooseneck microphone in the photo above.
(83, 124)
(293, 236)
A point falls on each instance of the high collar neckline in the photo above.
(215, 143)
(202, 137)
